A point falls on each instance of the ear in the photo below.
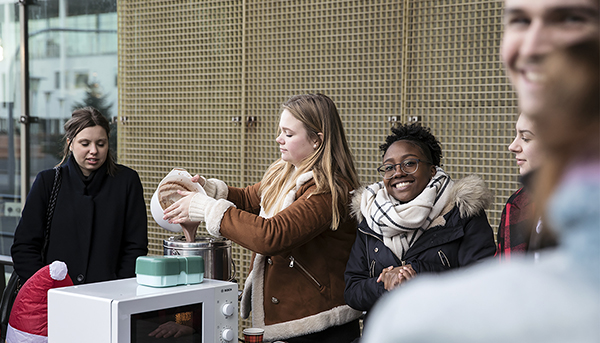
(69, 144)
(433, 170)
(320, 140)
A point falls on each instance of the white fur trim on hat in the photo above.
(58, 270)
(16, 336)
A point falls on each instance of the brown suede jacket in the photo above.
(296, 284)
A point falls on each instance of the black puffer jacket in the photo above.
(460, 236)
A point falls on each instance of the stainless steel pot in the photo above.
(218, 263)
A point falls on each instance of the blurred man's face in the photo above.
(533, 29)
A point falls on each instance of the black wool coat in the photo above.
(98, 229)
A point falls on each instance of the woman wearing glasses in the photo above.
(416, 220)
(297, 222)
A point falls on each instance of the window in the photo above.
(81, 79)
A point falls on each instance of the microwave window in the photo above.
(181, 324)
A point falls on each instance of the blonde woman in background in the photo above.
(296, 222)
(520, 231)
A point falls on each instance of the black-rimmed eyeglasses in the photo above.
(409, 166)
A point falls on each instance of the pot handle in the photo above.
(232, 278)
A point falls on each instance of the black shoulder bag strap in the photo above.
(50, 211)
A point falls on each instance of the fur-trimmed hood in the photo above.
(470, 194)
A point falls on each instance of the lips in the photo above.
(92, 160)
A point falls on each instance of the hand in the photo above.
(169, 329)
(199, 179)
(392, 276)
(178, 213)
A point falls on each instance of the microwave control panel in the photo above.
(226, 316)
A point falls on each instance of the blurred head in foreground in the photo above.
(568, 125)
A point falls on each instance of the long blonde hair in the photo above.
(332, 163)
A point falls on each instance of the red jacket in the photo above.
(516, 225)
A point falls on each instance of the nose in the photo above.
(536, 41)
(279, 139)
(93, 149)
(398, 170)
(515, 147)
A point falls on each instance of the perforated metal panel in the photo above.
(180, 86)
(202, 83)
(454, 81)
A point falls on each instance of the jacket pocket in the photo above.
(444, 259)
(295, 264)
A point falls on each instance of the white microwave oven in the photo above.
(125, 312)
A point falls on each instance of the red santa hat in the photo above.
(29, 316)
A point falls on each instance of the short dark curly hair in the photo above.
(419, 136)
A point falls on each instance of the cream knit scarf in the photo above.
(402, 224)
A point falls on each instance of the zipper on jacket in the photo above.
(372, 269)
(443, 258)
(370, 234)
(294, 262)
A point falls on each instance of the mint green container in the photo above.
(166, 271)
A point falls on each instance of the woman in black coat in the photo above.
(417, 220)
(99, 227)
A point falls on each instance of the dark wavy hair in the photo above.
(418, 135)
(82, 118)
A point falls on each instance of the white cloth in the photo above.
(402, 224)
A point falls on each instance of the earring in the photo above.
(315, 146)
